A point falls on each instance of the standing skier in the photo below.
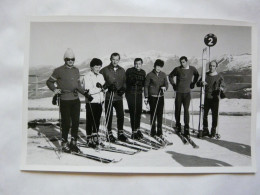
(93, 82)
(67, 79)
(214, 87)
(155, 85)
(115, 80)
(184, 75)
(135, 78)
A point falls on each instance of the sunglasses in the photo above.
(70, 59)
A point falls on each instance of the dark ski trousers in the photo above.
(158, 114)
(70, 113)
(135, 105)
(182, 99)
(118, 105)
(212, 104)
(93, 115)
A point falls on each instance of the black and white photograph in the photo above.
(139, 95)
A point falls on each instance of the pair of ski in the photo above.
(186, 139)
(161, 140)
(103, 147)
(84, 155)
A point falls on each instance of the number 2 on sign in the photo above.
(210, 41)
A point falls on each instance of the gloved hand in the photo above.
(222, 94)
(163, 89)
(88, 96)
(98, 85)
(54, 99)
(174, 87)
(192, 85)
(121, 91)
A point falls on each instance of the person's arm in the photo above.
(52, 80)
(196, 76)
(171, 77)
(166, 84)
(146, 85)
(222, 84)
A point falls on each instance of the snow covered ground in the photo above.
(233, 149)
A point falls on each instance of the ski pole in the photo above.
(192, 113)
(155, 108)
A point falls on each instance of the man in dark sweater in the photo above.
(184, 75)
(155, 85)
(67, 79)
(214, 87)
(115, 81)
(135, 78)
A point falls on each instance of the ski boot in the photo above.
(205, 132)
(74, 147)
(186, 133)
(111, 138)
(134, 135)
(65, 147)
(96, 141)
(213, 132)
(121, 136)
(90, 142)
(178, 129)
(139, 134)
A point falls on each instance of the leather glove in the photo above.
(192, 85)
(88, 96)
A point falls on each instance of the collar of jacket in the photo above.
(65, 66)
(110, 66)
(154, 71)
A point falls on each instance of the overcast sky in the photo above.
(49, 40)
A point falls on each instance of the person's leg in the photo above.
(205, 113)
(131, 106)
(159, 115)
(139, 109)
(98, 113)
(75, 116)
(186, 105)
(89, 120)
(178, 103)
(214, 109)
(65, 119)
(152, 104)
(118, 105)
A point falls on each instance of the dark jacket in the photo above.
(135, 80)
(212, 89)
(117, 78)
(153, 83)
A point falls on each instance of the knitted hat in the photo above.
(69, 54)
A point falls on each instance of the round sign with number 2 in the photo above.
(210, 40)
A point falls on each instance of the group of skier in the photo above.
(104, 89)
